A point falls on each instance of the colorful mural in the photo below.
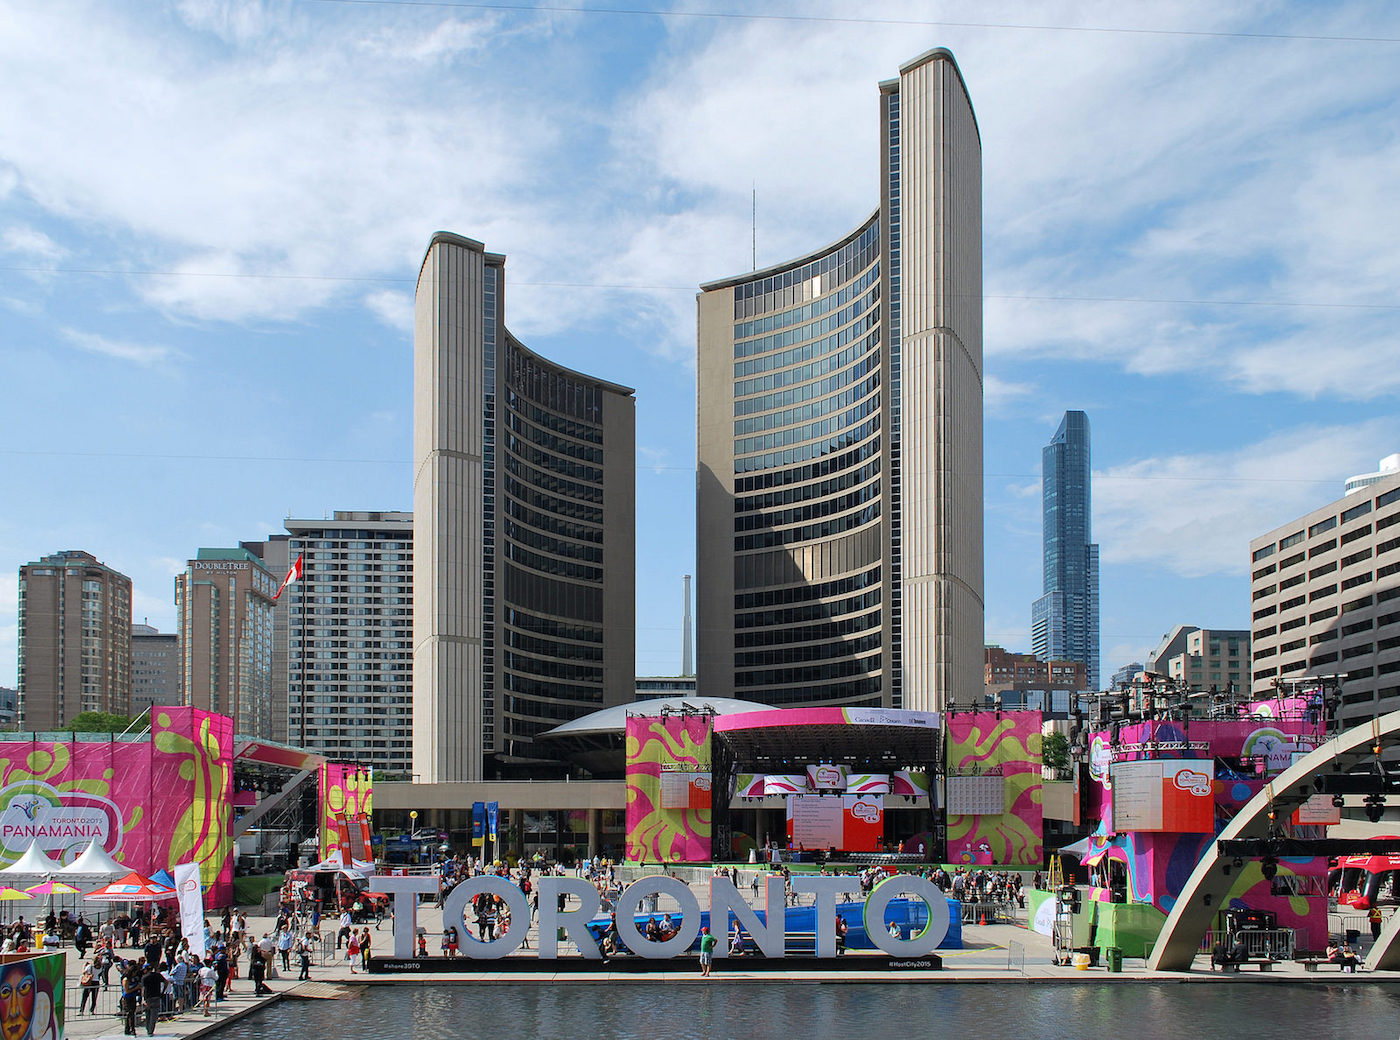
(153, 803)
(657, 746)
(1008, 741)
(347, 791)
(31, 997)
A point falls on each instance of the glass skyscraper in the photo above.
(1065, 620)
(840, 438)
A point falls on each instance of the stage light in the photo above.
(1237, 863)
(1269, 868)
(1338, 801)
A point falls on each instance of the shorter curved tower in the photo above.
(524, 531)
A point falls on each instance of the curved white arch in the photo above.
(1180, 938)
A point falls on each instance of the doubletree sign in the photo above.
(769, 935)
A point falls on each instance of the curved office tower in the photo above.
(523, 524)
(840, 439)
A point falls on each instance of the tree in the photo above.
(1054, 753)
(98, 722)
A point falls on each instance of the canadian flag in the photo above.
(293, 575)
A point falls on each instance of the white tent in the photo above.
(95, 863)
(35, 863)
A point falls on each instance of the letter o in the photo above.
(454, 911)
(921, 888)
(627, 924)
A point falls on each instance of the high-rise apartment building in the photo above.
(1065, 620)
(74, 640)
(155, 668)
(1325, 592)
(350, 639)
(524, 531)
(840, 438)
(273, 553)
(223, 603)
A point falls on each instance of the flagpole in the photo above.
(305, 634)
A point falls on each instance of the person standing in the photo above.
(304, 958)
(208, 980)
(707, 952)
(152, 986)
(352, 951)
(257, 971)
(82, 938)
(1376, 920)
(364, 950)
(131, 997)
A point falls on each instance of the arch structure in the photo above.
(1210, 882)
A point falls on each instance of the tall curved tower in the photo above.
(524, 495)
(840, 438)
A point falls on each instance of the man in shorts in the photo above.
(707, 952)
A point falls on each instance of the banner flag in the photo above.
(191, 896)
(293, 575)
(478, 822)
(493, 812)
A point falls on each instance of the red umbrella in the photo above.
(132, 889)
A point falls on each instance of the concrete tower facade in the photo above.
(524, 531)
(840, 438)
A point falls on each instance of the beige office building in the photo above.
(74, 640)
(840, 439)
(1326, 600)
(524, 532)
(223, 604)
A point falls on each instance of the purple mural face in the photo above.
(1008, 743)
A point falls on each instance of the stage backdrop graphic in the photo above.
(1009, 741)
(672, 745)
(153, 802)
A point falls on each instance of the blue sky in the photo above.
(212, 214)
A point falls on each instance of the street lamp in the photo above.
(412, 823)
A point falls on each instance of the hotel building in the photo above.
(840, 438)
(1325, 594)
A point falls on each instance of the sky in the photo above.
(212, 216)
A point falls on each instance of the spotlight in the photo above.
(1237, 863)
(1269, 868)
(1375, 807)
(1338, 801)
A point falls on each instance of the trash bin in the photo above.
(1114, 956)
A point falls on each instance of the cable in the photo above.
(621, 287)
(852, 20)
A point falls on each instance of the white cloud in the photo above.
(1194, 515)
(27, 241)
(393, 308)
(141, 354)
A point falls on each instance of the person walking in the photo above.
(89, 985)
(352, 951)
(707, 952)
(208, 979)
(304, 958)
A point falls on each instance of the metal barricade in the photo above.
(1260, 943)
(1015, 957)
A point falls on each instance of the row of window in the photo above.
(768, 539)
(812, 329)
(812, 511)
(1347, 515)
(795, 315)
(807, 412)
(864, 332)
(527, 375)
(778, 291)
(809, 492)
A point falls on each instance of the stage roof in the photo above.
(796, 737)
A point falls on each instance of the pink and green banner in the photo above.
(656, 746)
(347, 792)
(152, 803)
(1006, 744)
